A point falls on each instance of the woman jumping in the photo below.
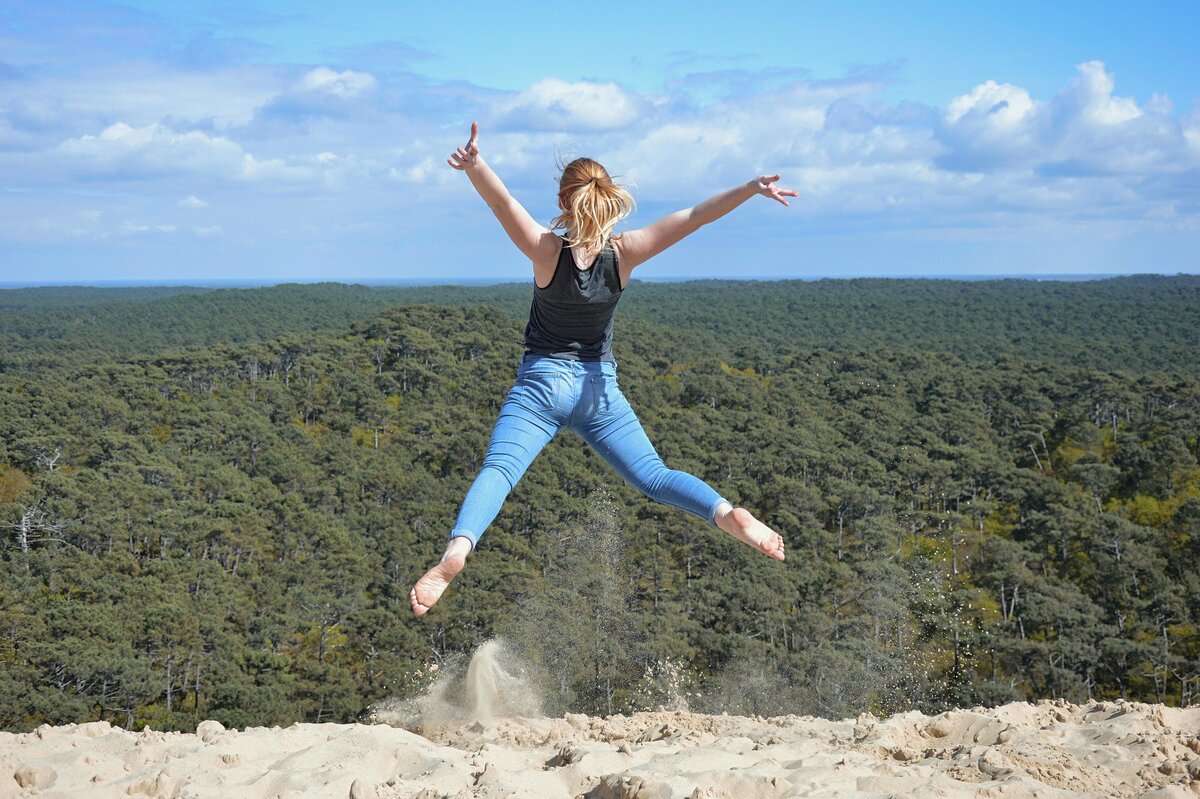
(567, 376)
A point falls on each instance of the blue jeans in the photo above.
(551, 393)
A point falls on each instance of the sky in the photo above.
(199, 141)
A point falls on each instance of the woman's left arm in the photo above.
(639, 246)
(534, 240)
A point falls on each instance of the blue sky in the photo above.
(304, 140)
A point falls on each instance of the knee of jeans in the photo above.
(650, 474)
(505, 466)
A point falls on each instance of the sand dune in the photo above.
(1048, 749)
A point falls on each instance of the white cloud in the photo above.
(672, 153)
(122, 151)
(554, 104)
(131, 228)
(192, 201)
(1191, 130)
(1001, 105)
(319, 94)
(1082, 131)
(153, 149)
(421, 172)
(1093, 89)
(994, 124)
(343, 84)
(141, 92)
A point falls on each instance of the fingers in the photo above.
(464, 156)
(779, 194)
(776, 193)
(460, 159)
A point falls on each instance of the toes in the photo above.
(773, 546)
(418, 609)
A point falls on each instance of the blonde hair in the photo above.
(592, 204)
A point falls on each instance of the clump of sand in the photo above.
(1045, 749)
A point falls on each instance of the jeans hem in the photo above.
(712, 512)
(467, 534)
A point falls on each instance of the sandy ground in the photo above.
(1048, 749)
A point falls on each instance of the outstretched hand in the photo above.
(464, 157)
(767, 188)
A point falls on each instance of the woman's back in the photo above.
(572, 316)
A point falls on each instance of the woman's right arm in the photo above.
(638, 246)
(535, 241)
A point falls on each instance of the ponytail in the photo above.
(592, 204)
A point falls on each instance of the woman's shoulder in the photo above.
(614, 245)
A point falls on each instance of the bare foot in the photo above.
(428, 590)
(742, 525)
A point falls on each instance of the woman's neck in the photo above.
(583, 257)
(570, 235)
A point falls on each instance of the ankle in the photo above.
(457, 548)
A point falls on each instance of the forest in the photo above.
(213, 502)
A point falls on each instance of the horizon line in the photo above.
(398, 282)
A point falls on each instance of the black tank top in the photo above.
(572, 317)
